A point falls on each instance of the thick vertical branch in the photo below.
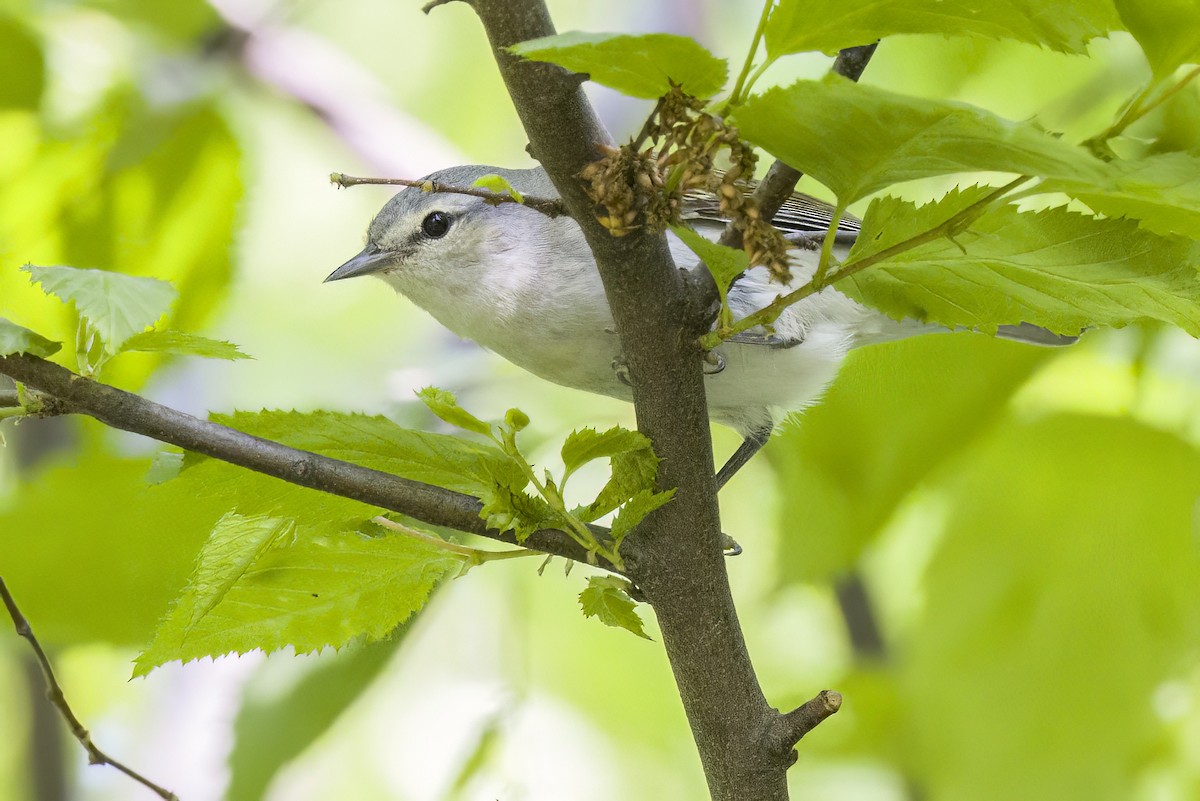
(681, 569)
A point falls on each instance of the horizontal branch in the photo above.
(56, 696)
(128, 412)
(551, 207)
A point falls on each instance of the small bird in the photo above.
(526, 286)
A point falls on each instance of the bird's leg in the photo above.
(751, 445)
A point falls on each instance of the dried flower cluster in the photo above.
(635, 186)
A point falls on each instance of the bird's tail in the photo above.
(888, 330)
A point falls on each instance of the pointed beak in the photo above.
(370, 260)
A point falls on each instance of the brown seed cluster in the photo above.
(635, 186)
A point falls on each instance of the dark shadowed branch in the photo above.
(54, 692)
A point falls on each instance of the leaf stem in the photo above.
(835, 219)
(735, 97)
(1137, 109)
(769, 313)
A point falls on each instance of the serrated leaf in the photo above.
(235, 544)
(725, 263)
(445, 406)
(858, 139)
(375, 442)
(634, 511)
(183, 344)
(639, 66)
(15, 339)
(881, 231)
(1167, 30)
(1057, 269)
(605, 597)
(829, 25)
(588, 444)
(632, 473)
(308, 587)
(116, 305)
(500, 185)
(1161, 191)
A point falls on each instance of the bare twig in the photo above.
(806, 717)
(551, 207)
(129, 412)
(58, 699)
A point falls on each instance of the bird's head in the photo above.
(421, 236)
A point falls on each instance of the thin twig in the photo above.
(55, 694)
(551, 207)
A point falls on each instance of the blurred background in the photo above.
(989, 549)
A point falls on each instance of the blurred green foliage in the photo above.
(1023, 520)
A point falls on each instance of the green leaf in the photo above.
(445, 406)
(1167, 30)
(889, 221)
(116, 305)
(21, 64)
(15, 339)
(1162, 192)
(305, 586)
(588, 444)
(723, 262)
(632, 472)
(273, 729)
(373, 442)
(639, 66)
(1066, 572)
(183, 344)
(516, 420)
(1056, 269)
(166, 466)
(857, 139)
(506, 508)
(605, 597)
(829, 25)
(896, 414)
(97, 511)
(635, 510)
(500, 185)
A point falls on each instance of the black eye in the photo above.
(436, 224)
